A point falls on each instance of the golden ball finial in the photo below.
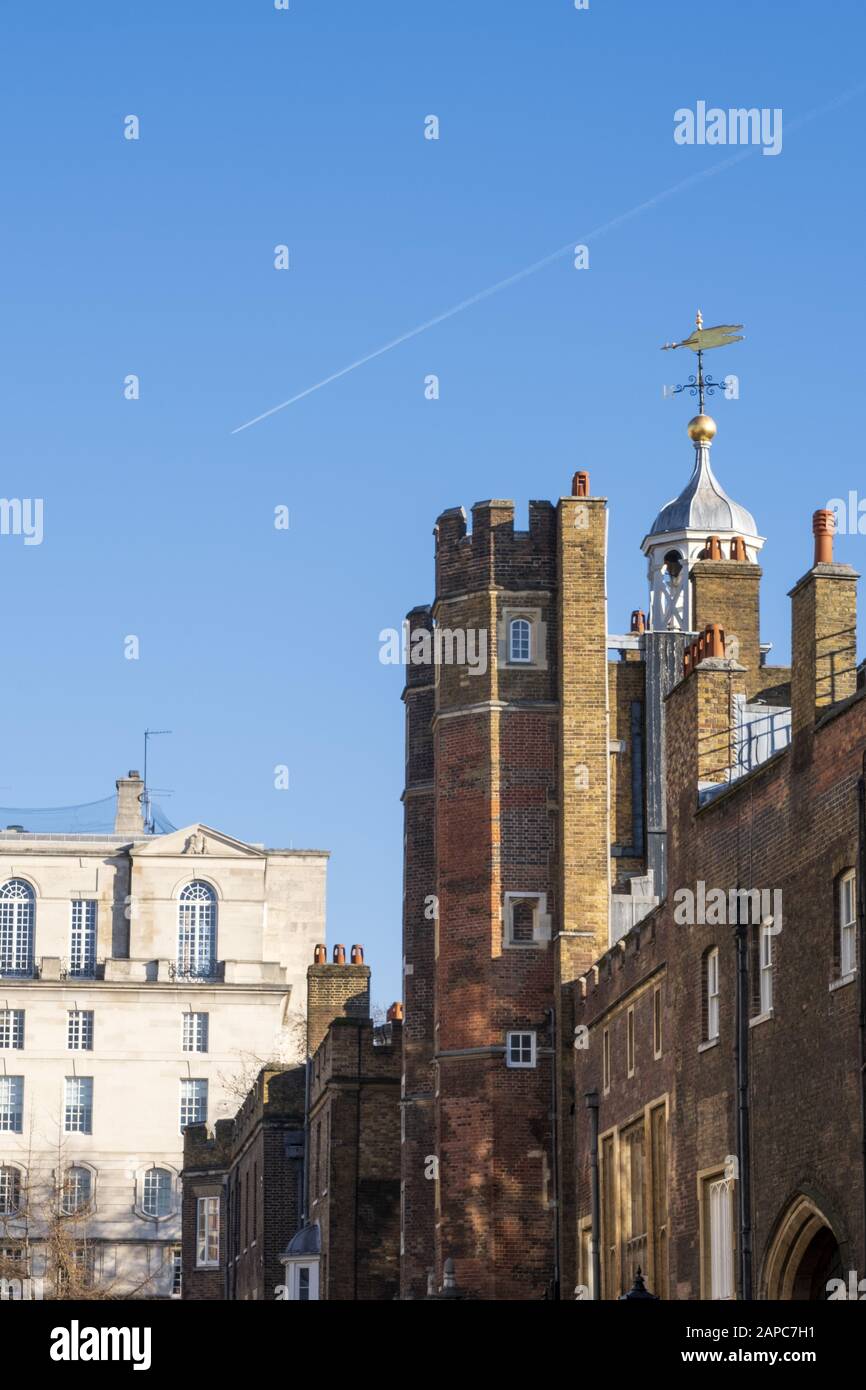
(702, 429)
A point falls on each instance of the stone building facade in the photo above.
(140, 977)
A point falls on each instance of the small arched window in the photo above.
(17, 912)
(520, 640)
(196, 934)
(10, 1191)
(157, 1192)
(77, 1190)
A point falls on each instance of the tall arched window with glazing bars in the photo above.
(17, 913)
(196, 931)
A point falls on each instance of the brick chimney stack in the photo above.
(335, 991)
(823, 631)
(701, 738)
(129, 813)
(726, 590)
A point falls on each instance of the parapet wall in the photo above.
(494, 554)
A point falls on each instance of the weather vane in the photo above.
(699, 340)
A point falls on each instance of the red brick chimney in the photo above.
(823, 631)
(335, 991)
(727, 591)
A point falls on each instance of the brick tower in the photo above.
(506, 887)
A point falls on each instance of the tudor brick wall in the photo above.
(354, 1167)
(510, 814)
(420, 912)
(496, 789)
(790, 826)
(207, 1156)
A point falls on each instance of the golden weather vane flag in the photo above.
(700, 340)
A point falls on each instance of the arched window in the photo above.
(520, 640)
(157, 1192)
(10, 1191)
(196, 934)
(77, 1190)
(17, 911)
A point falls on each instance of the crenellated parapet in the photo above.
(494, 555)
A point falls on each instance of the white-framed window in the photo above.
(195, 1032)
(176, 1257)
(193, 1101)
(519, 641)
(196, 931)
(520, 1049)
(847, 910)
(10, 1190)
(629, 1042)
(82, 938)
(765, 971)
(79, 1030)
(207, 1232)
(78, 1105)
(605, 1060)
(525, 919)
(302, 1281)
(157, 1192)
(77, 1192)
(11, 1104)
(711, 967)
(17, 915)
(11, 1029)
(719, 1237)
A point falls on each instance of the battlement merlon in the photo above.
(206, 1150)
(493, 554)
(418, 619)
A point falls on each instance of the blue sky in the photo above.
(259, 127)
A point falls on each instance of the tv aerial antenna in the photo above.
(145, 795)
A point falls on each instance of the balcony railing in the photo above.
(21, 972)
(204, 971)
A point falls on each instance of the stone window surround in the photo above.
(59, 1176)
(521, 1065)
(138, 1199)
(537, 638)
(541, 924)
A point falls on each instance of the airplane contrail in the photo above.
(532, 269)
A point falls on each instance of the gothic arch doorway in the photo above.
(803, 1256)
